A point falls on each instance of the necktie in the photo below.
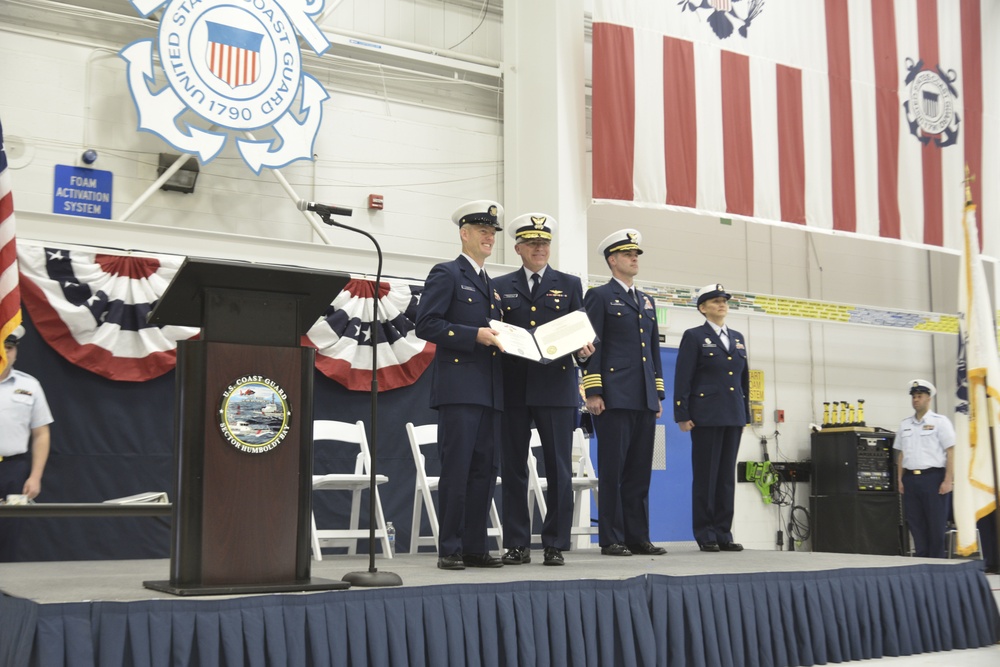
(535, 280)
(724, 337)
(635, 297)
(486, 281)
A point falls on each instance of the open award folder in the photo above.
(549, 341)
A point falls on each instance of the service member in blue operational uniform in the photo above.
(711, 400)
(623, 383)
(24, 440)
(456, 307)
(925, 450)
(547, 395)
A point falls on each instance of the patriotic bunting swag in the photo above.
(91, 308)
(344, 337)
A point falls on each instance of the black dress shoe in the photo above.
(553, 556)
(731, 546)
(481, 560)
(452, 562)
(517, 556)
(615, 550)
(709, 546)
(646, 549)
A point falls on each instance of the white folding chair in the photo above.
(584, 482)
(331, 433)
(423, 436)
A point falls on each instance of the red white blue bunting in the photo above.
(343, 337)
(91, 308)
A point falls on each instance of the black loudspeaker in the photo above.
(857, 523)
(846, 461)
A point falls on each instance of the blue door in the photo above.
(670, 486)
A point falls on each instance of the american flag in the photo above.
(854, 116)
(233, 54)
(10, 296)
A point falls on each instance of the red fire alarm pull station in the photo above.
(375, 201)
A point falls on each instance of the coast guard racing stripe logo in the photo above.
(233, 54)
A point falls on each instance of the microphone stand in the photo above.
(372, 578)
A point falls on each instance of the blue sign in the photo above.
(82, 191)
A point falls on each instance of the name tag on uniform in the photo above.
(468, 287)
(617, 302)
(511, 296)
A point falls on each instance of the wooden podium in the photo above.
(243, 427)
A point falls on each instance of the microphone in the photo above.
(323, 209)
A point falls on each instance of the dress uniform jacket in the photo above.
(711, 385)
(467, 389)
(528, 382)
(625, 368)
(454, 305)
(546, 395)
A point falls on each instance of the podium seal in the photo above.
(254, 414)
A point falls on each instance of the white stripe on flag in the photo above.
(650, 176)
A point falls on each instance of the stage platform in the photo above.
(684, 609)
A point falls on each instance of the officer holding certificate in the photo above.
(458, 302)
(545, 395)
(623, 381)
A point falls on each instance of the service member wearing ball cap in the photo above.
(458, 302)
(924, 470)
(623, 383)
(711, 400)
(546, 394)
(24, 440)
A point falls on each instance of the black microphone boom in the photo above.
(323, 209)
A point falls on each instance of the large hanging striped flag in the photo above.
(10, 297)
(856, 116)
(233, 54)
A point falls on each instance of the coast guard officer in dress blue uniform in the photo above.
(546, 394)
(623, 383)
(711, 400)
(456, 306)
(925, 445)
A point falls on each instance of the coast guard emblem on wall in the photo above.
(254, 414)
(930, 104)
(229, 66)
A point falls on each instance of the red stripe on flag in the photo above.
(838, 55)
(887, 110)
(680, 122)
(613, 111)
(737, 133)
(927, 38)
(972, 84)
(6, 206)
(791, 145)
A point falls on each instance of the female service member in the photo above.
(711, 389)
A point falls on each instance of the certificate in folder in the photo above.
(549, 341)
